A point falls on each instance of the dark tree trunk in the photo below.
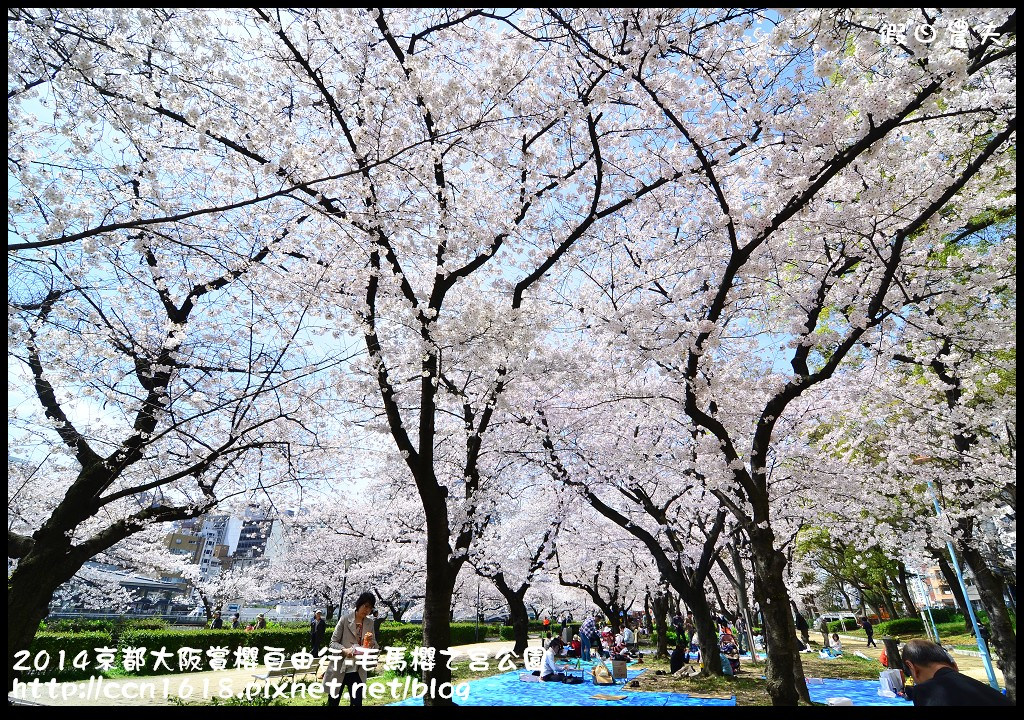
(207, 605)
(706, 637)
(517, 612)
(648, 621)
(892, 653)
(718, 596)
(783, 671)
(520, 626)
(660, 602)
(1001, 634)
(29, 591)
(888, 603)
(903, 586)
(440, 587)
(949, 575)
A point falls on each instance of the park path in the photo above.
(154, 690)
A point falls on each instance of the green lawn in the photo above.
(952, 633)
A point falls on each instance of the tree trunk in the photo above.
(29, 591)
(783, 671)
(207, 605)
(890, 607)
(520, 620)
(942, 560)
(892, 653)
(718, 596)
(648, 619)
(1001, 634)
(660, 602)
(437, 632)
(846, 597)
(903, 586)
(706, 637)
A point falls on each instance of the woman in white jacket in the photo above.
(353, 634)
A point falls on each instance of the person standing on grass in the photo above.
(353, 634)
(869, 630)
(317, 630)
(801, 625)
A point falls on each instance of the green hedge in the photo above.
(945, 615)
(462, 633)
(900, 626)
(77, 625)
(399, 634)
(72, 644)
(843, 625)
(290, 640)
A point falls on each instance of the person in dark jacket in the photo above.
(869, 630)
(801, 625)
(680, 656)
(938, 681)
(317, 630)
(217, 623)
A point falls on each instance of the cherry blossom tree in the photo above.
(785, 248)
(608, 565)
(697, 186)
(515, 549)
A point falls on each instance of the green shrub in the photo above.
(73, 646)
(464, 633)
(945, 615)
(900, 626)
(77, 625)
(290, 641)
(398, 634)
(146, 624)
(843, 625)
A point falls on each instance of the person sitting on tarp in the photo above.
(549, 670)
(575, 647)
(730, 651)
(680, 656)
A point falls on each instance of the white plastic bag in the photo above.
(890, 680)
(838, 701)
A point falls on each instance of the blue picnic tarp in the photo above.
(860, 692)
(507, 689)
